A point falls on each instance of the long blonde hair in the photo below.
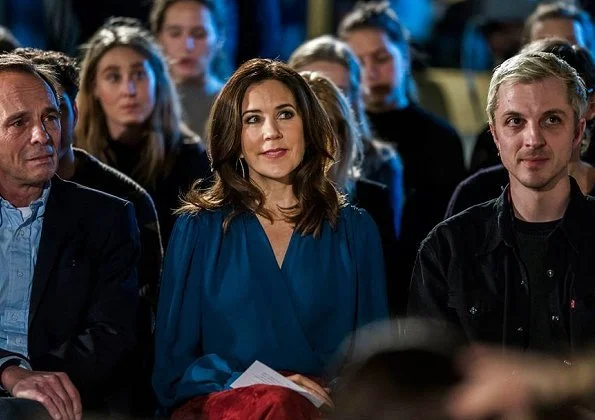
(163, 129)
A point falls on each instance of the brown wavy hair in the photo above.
(317, 198)
(164, 128)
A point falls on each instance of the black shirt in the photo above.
(182, 167)
(92, 173)
(532, 241)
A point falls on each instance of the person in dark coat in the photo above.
(517, 270)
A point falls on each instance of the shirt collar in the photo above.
(37, 206)
(501, 222)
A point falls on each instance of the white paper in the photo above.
(259, 373)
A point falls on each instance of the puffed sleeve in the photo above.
(181, 371)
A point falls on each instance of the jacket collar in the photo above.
(60, 218)
(500, 225)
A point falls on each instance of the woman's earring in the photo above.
(242, 167)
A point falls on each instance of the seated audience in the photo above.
(369, 195)
(269, 263)
(129, 116)
(517, 270)
(433, 158)
(335, 60)
(191, 35)
(78, 166)
(488, 183)
(68, 287)
(558, 20)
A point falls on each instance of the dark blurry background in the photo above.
(273, 28)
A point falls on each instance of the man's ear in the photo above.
(579, 132)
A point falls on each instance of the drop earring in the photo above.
(242, 167)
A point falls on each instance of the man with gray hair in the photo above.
(517, 270)
(68, 284)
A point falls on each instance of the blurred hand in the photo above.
(507, 384)
(52, 389)
(314, 389)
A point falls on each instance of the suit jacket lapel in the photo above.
(56, 220)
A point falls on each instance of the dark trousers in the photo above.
(22, 409)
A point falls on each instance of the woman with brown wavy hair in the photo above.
(129, 116)
(268, 263)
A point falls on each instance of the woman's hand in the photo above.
(315, 389)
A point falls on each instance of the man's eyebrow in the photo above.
(16, 115)
(50, 109)
(555, 111)
(512, 114)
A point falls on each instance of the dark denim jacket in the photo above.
(468, 271)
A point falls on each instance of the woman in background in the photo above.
(370, 196)
(129, 116)
(266, 264)
(191, 34)
(335, 60)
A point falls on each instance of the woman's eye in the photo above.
(174, 33)
(251, 119)
(285, 115)
(199, 34)
(140, 75)
(382, 58)
(112, 77)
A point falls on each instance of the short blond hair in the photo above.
(533, 67)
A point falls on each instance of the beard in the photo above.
(538, 182)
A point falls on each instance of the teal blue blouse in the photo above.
(224, 301)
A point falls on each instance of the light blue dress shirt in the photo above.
(20, 232)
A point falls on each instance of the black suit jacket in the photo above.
(84, 295)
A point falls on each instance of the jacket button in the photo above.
(473, 310)
(550, 273)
